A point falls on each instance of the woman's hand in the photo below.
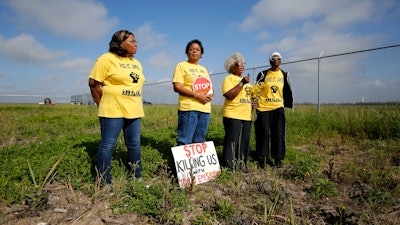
(246, 79)
(203, 98)
(254, 104)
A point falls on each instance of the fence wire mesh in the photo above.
(359, 76)
(334, 76)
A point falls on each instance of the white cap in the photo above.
(275, 53)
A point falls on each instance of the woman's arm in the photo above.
(95, 89)
(231, 94)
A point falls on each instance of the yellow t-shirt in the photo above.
(187, 74)
(271, 96)
(123, 80)
(240, 107)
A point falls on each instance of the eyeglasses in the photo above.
(240, 63)
(273, 59)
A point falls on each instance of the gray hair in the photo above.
(231, 60)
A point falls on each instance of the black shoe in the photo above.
(261, 164)
(270, 163)
(246, 170)
(278, 163)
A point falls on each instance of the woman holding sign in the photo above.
(193, 84)
(237, 114)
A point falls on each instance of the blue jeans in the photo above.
(192, 127)
(110, 130)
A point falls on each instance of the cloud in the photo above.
(357, 11)
(306, 28)
(80, 19)
(148, 38)
(284, 44)
(373, 84)
(267, 12)
(160, 61)
(52, 77)
(263, 35)
(78, 65)
(25, 49)
(337, 13)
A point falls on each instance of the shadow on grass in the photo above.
(91, 148)
(163, 146)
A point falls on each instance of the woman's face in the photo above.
(194, 52)
(275, 61)
(130, 45)
(238, 67)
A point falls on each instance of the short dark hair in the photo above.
(116, 41)
(192, 42)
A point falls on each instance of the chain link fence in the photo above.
(361, 76)
(334, 76)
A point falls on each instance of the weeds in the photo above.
(323, 188)
(224, 209)
(343, 154)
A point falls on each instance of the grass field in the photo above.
(342, 167)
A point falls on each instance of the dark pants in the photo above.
(236, 143)
(270, 124)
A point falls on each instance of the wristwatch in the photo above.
(241, 84)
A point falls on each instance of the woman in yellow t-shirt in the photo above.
(193, 84)
(237, 114)
(116, 82)
(270, 126)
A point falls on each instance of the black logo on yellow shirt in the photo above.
(135, 77)
(274, 88)
(131, 93)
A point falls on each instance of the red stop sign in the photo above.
(201, 85)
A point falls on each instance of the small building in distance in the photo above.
(47, 101)
(82, 99)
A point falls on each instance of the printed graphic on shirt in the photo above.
(131, 92)
(135, 77)
(271, 96)
(274, 88)
(201, 85)
(246, 97)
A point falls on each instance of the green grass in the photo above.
(347, 158)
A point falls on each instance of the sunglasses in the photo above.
(240, 64)
(273, 59)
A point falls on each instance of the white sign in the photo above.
(196, 163)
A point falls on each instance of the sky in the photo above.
(47, 47)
